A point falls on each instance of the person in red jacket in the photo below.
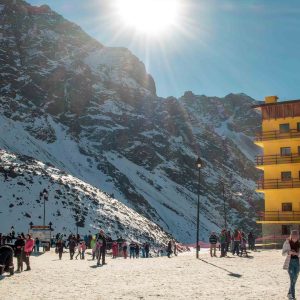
(29, 244)
(114, 249)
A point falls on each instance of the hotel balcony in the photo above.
(279, 217)
(262, 160)
(276, 134)
(265, 184)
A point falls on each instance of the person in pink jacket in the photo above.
(29, 244)
(115, 249)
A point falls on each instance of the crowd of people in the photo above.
(99, 245)
(236, 243)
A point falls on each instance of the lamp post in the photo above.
(44, 195)
(224, 204)
(198, 165)
(50, 227)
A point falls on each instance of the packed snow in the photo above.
(258, 277)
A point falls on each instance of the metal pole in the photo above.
(224, 202)
(198, 217)
(44, 211)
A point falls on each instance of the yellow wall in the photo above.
(273, 124)
(274, 198)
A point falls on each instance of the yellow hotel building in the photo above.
(280, 162)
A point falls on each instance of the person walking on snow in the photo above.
(213, 239)
(79, 251)
(83, 248)
(291, 248)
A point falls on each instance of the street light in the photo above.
(44, 195)
(224, 203)
(199, 166)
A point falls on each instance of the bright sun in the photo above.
(151, 17)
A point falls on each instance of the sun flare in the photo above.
(151, 17)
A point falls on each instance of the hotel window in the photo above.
(286, 229)
(286, 176)
(284, 127)
(285, 151)
(287, 207)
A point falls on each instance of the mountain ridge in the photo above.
(96, 115)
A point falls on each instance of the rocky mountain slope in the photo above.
(22, 179)
(93, 112)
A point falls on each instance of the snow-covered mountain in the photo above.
(71, 202)
(92, 111)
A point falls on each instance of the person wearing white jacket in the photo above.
(291, 248)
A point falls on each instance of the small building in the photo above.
(280, 162)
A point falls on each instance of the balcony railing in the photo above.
(275, 134)
(279, 216)
(278, 184)
(277, 159)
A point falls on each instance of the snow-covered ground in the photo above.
(258, 277)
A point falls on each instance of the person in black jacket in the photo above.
(147, 249)
(72, 246)
(101, 239)
(170, 248)
(6, 259)
(19, 248)
(60, 248)
(213, 239)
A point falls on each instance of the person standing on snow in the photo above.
(124, 248)
(59, 248)
(19, 248)
(93, 246)
(223, 242)
(114, 249)
(37, 245)
(213, 239)
(132, 249)
(147, 249)
(137, 250)
(101, 239)
(72, 246)
(170, 248)
(236, 242)
(29, 244)
(291, 248)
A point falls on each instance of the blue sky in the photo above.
(218, 47)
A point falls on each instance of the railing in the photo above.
(277, 159)
(279, 216)
(275, 134)
(278, 184)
